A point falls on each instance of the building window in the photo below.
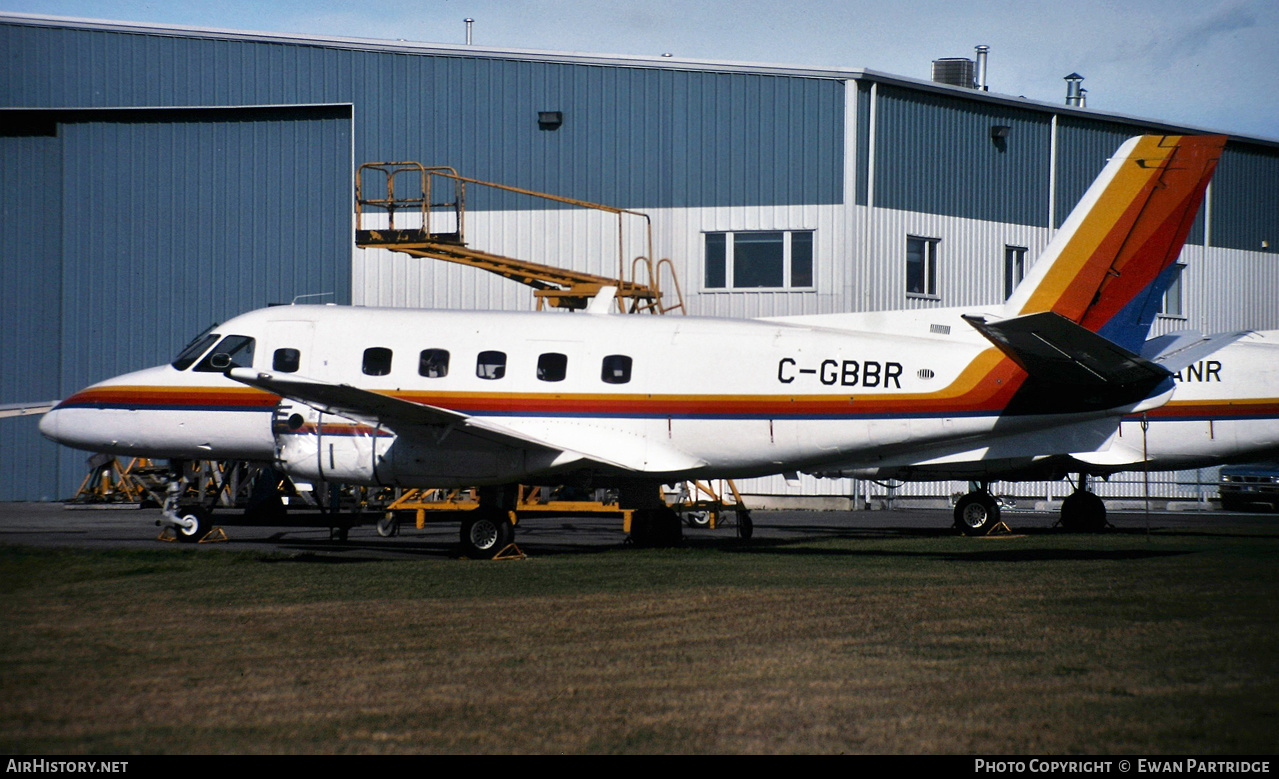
(491, 365)
(377, 361)
(921, 266)
(777, 259)
(1173, 304)
(433, 363)
(552, 366)
(616, 369)
(1014, 268)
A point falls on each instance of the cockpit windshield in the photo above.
(235, 351)
(193, 350)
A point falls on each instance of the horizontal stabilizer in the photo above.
(1178, 350)
(1053, 349)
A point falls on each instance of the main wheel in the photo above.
(486, 533)
(1083, 512)
(656, 528)
(976, 513)
(192, 525)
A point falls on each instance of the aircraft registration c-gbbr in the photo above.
(418, 398)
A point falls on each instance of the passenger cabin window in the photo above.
(193, 351)
(552, 366)
(433, 363)
(377, 361)
(491, 365)
(286, 360)
(617, 369)
(234, 351)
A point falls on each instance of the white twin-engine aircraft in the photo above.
(453, 398)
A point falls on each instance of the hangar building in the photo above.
(160, 179)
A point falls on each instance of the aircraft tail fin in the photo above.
(1108, 265)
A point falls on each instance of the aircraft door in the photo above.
(289, 348)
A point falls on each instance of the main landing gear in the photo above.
(977, 513)
(1082, 511)
(656, 527)
(653, 523)
(490, 528)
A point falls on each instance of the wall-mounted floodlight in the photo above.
(549, 120)
(999, 136)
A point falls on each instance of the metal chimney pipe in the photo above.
(1074, 89)
(469, 22)
(981, 68)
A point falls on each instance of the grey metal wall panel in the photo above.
(30, 316)
(934, 154)
(1245, 200)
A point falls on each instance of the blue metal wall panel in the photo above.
(863, 142)
(179, 219)
(1245, 199)
(133, 230)
(30, 317)
(934, 153)
(749, 139)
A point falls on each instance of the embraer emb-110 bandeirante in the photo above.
(454, 398)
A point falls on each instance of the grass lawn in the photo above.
(928, 643)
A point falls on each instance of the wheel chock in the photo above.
(1000, 528)
(167, 533)
(510, 552)
(216, 535)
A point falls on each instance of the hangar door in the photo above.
(157, 223)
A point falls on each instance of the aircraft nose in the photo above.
(49, 424)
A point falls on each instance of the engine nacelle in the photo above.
(318, 446)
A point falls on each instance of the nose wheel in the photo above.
(192, 525)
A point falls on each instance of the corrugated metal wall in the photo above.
(31, 314)
(935, 154)
(632, 137)
(1245, 200)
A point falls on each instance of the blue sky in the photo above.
(1210, 64)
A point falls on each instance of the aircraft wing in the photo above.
(24, 409)
(569, 443)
